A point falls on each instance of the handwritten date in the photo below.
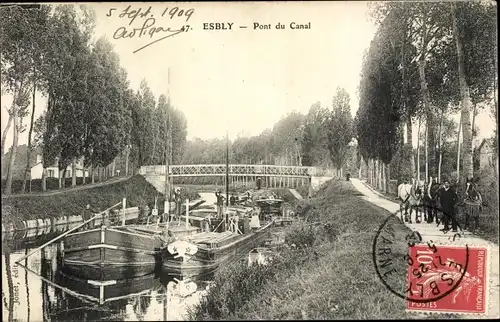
(149, 26)
(131, 14)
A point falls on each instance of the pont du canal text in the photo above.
(221, 26)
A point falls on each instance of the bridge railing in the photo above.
(191, 170)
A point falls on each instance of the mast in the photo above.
(167, 150)
(227, 169)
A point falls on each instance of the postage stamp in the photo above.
(440, 276)
(434, 271)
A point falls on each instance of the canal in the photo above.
(51, 295)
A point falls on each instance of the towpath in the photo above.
(72, 189)
(432, 232)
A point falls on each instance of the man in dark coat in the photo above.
(178, 202)
(448, 198)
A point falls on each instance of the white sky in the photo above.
(245, 80)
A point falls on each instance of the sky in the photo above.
(242, 80)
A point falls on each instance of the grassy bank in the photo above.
(52, 184)
(327, 274)
(136, 189)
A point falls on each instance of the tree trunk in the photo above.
(73, 173)
(384, 186)
(466, 103)
(440, 144)
(59, 177)
(426, 151)
(127, 153)
(429, 116)
(92, 174)
(6, 130)
(13, 151)
(113, 168)
(473, 125)
(99, 173)
(418, 150)
(409, 129)
(27, 172)
(458, 147)
(388, 178)
(84, 171)
(44, 179)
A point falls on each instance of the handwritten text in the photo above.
(149, 25)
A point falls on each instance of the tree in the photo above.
(314, 136)
(286, 133)
(16, 45)
(340, 131)
(38, 34)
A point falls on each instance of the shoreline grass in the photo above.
(137, 190)
(329, 274)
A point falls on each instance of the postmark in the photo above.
(394, 255)
(446, 276)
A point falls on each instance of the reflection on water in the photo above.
(25, 297)
(156, 297)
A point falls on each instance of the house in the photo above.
(19, 166)
(53, 171)
(486, 154)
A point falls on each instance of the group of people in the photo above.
(433, 199)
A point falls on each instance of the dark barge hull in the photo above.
(110, 253)
(109, 290)
(207, 261)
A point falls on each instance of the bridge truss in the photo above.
(244, 170)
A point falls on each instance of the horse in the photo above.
(410, 198)
(473, 203)
(431, 200)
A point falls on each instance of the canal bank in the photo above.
(325, 270)
(41, 211)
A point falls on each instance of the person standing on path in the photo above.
(448, 198)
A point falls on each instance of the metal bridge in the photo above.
(271, 175)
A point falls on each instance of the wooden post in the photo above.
(187, 213)
(124, 203)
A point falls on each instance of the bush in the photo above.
(235, 285)
(301, 235)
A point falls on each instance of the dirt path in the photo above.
(432, 232)
(78, 188)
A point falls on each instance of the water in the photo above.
(209, 197)
(27, 297)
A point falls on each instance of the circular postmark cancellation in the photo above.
(416, 270)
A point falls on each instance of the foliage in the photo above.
(340, 129)
(314, 136)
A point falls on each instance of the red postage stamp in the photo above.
(447, 279)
